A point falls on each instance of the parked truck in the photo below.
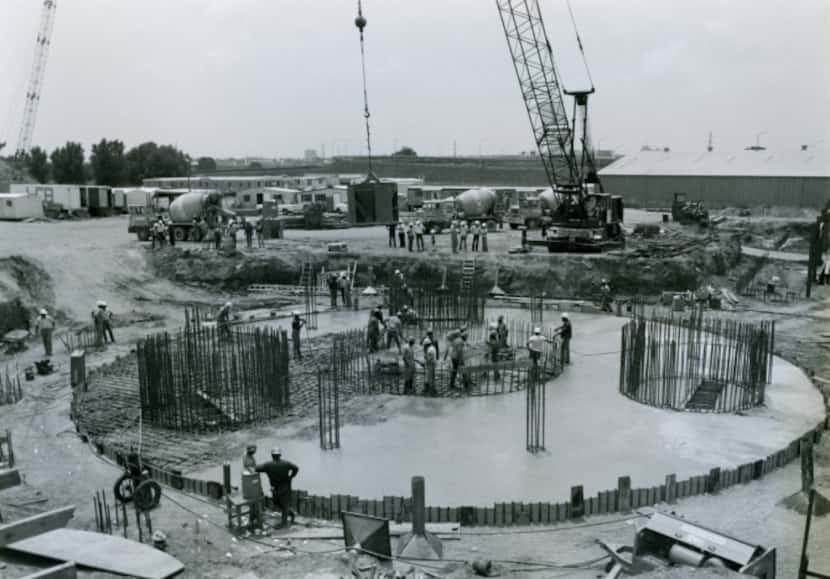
(181, 212)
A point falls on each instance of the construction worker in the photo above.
(432, 233)
(824, 272)
(536, 345)
(204, 230)
(476, 231)
(456, 352)
(343, 286)
(391, 228)
(430, 340)
(410, 235)
(98, 323)
(45, 326)
(465, 231)
(565, 332)
(249, 233)
(373, 332)
(605, 296)
(393, 330)
(408, 355)
(223, 320)
(484, 238)
(217, 237)
(331, 280)
(106, 320)
(260, 233)
(454, 236)
(171, 232)
(401, 235)
(494, 346)
(419, 235)
(502, 332)
(296, 326)
(430, 360)
(280, 474)
(249, 460)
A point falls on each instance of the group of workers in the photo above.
(101, 322)
(409, 235)
(339, 284)
(460, 231)
(280, 473)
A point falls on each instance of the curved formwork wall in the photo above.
(696, 364)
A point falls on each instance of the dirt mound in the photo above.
(26, 280)
(675, 267)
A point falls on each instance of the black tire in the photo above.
(147, 495)
(123, 489)
(180, 234)
(143, 235)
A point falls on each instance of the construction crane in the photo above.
(44, 34)
(584, 217)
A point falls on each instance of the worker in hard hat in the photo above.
(223, 320)
(280, 474)
(373, 331)
(45, 326)
(476, 231)
(106, 321)
(430, 360)
(536, 345)
(393, 330)
(493, 347)
(296, 326)
(332, 280)
(98, 323)
(565, 333)
(605, 296)
(408, 356)
(454, 236)
(419, 235)
(484, 237)
(430, 341)
(249, 460)
(502, 332)
(401, 228)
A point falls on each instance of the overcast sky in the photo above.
(274, 77)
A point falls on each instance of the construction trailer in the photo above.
(96, 200)
(19, 206)
(373, 202)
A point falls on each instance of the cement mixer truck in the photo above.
(183, 209)
(477, 205)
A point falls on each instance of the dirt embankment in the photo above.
(631, 272)
(24, 279)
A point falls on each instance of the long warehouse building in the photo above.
(742, 179)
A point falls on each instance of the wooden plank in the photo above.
(508, 514)
(9, 478)
(99, 551)
(603, 502)
(577, 502)
(683, 490)
(546, 514)
(713, 481)
(35, 525)
(489, 517)
(593, 506)
(63, 571)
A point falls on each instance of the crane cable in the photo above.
(579, 43)
(360, 22)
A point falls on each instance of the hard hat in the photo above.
(427, 342)
(492, 326)
(537, 330)
(565, 316)
(228, 304)
(295, 313)
(251, 448)
(398, 313)
(429, 330)
(405, 307)
(276, 451)
(101, 304)
(411, 339)
(43, 312)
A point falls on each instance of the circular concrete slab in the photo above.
(472, 451)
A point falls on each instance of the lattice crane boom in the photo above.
(44, 35)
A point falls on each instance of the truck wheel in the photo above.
(147, 495)
(514, 226)
(143, 235)
(123, 489)
(180, 233)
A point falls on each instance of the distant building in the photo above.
(18, 206)
(741, 179)
(310, 155)
(96, 199)
(232, 184)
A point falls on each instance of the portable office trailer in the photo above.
(17, 206)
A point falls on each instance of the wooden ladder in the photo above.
(468, 271)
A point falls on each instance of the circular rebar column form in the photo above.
(696, 364)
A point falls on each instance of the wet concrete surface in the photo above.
(472, 451)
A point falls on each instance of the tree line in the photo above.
(109, 163)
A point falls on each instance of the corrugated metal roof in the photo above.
(743, 163)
